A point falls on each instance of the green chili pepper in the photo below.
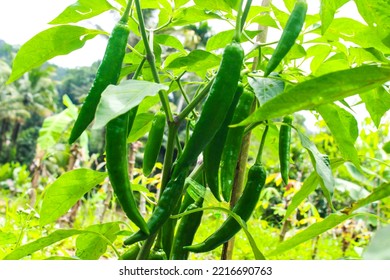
(243, 208)
(153, 145)
(165, 206)
(284, 148)
(157, 255)
(290, 34)
(213, 151)
(215, 107)
(117, 167)
(186, 230)
(107, 74)
(231, 150)
(132, 253)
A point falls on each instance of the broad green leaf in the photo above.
(360, 56)
(307, 188)
(53, 129)
(327, 11)
(379, 247)
(82, 9)
(386, 147)
(179, 3)
(58, 40)
(358, 175)
(223, 38)
(377, 103)
(198, 61)
(321, 90)
(378, 194)
(61, 258)
(220, 5)
(319, 54)
(169, 41)
(356, 32)
(90, 246)
(141, 126)
(266, 88)
(66, 191)
(312, 231)
(321, 165)
(191, 15)
(355, 191)
(7, 238)
(41, 243)
(375, 12)
(119, 99)
(335, 63)
(264, 19)
(344, 128)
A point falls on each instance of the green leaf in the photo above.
(53, 129)
(312, 231)
(321, 165)
(386, 147)
(90, 246)
(375, 12)
(141, 126)
(221, 5)
(119, 99)
(82, 9)
(66, 191)
(379, 247)
(169, 41)
(377, 103)
(179, 3)
(266, 88)
(41, 243)
(356, 32)
(321, 90)
(223, 38)
(355, 191)
(195, 189)
(344, 128)
(58, 40)
(193, 14)
(378, 194)
(319, 54)
(307, 188)
(7, 238)
(327, 11)
(198, 61)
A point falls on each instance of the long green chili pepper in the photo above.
(107, 74)
(166, 204)
(290, 34)
(284, 148)
(213, 151)
(153, 145)
(243, 208)
(215, 107)
(231, 150)
(185, 232)
(117, 167)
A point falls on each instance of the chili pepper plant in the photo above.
(215, 115)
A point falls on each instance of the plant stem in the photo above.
(245, 13)
(151, 58)
(125, 16)
(197, 99)
(237, 34)
(260, 153)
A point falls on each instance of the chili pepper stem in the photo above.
(237, 34)
(126, 13)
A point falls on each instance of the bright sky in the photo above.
(22, 19)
